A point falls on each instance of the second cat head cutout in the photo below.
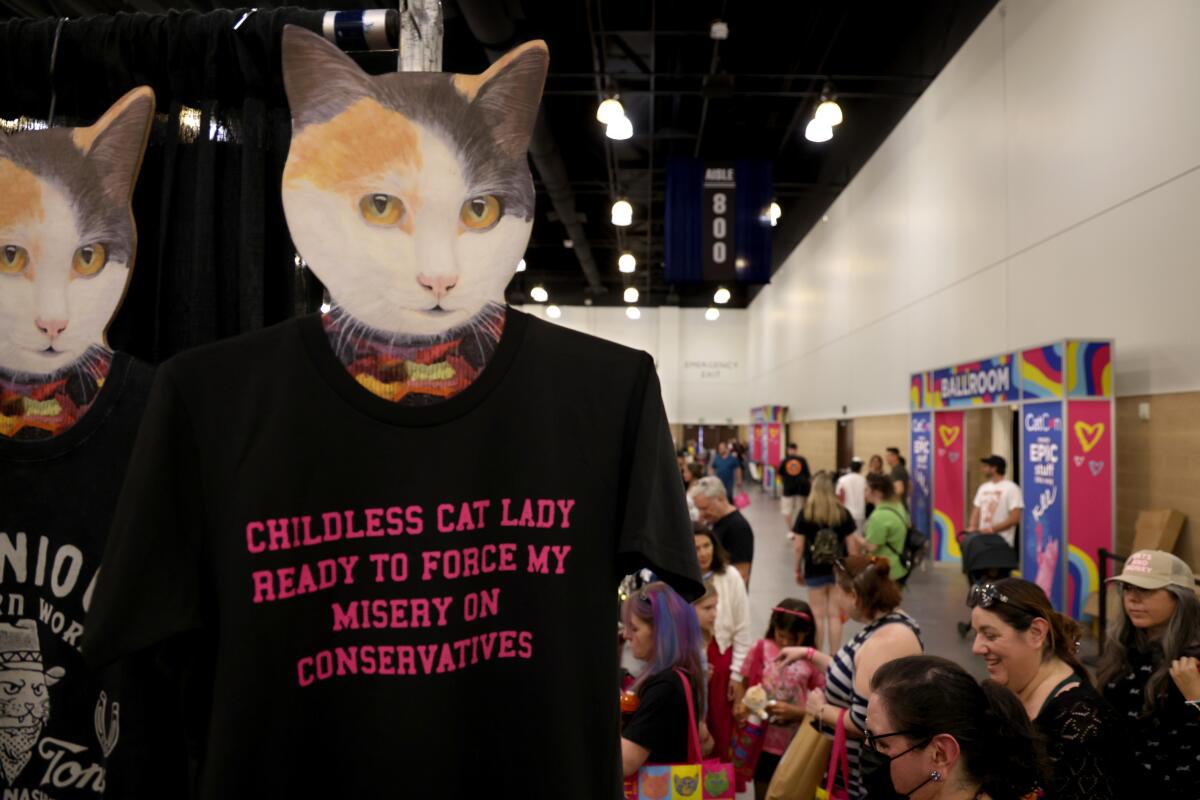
(409, 194)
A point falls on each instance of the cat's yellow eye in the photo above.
(381, 209)
(13, 259)
(89, 259)
(480, 213)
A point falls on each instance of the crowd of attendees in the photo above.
(1042, 725)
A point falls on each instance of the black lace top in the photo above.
(1086, 749)
(1164, 745)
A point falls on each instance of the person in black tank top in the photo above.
(1031, 649)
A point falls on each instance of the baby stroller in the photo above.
(986, 557)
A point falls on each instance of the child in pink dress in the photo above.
(786, 686)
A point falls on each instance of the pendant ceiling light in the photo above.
(609, 110)
(712, 314)
(622, 213)
(619, 129)
(539, 294)
(633, 312)
(818, 131)
(721, 296)
(631, 294)
(553, 312)
(627, 263)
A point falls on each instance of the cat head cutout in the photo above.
(409, 194)
(67, 237)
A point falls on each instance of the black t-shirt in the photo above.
(661, 722)
(397, 599)
(735, 535)
(797, 480)
(86, 735)
(900, 473)
(1164, 744)
(809, 531)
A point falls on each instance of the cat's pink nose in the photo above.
(51, 327)
(439, 285)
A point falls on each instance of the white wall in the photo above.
(1059, 150)
(701, 364)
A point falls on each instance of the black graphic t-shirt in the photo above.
(65, 730)
(797, 480)
(398, 601)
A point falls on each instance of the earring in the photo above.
(935, 776)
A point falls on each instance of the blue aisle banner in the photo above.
(1043, 545)
(922, 471)
(717, 221)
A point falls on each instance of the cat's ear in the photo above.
(320, 80)
(509, 93)
(117, 141)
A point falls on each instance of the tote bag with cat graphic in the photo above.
(696, 780)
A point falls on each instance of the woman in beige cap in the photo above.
(1149, 672)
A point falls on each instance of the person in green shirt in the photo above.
(887, 527)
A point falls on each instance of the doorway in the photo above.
(845, 444)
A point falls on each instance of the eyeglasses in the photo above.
(871, 740)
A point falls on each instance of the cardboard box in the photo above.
(1157, 530)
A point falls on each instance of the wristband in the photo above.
(808, 655)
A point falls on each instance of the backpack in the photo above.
(826, 548)
(915, 545)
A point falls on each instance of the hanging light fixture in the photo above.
(631, 294)
(521, 265)
(829, 112)
(818, 131)
(721, 296)
(627, 263)
(619, 129)
(774, 212)
(325, 308)
(553, 312)
(609, 110)
(633, 312)
(539, 294)
(712, 314)
(622, 213)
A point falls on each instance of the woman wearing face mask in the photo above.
(1149, 673)
(866, 593)
(1030, 648)
(936, 734)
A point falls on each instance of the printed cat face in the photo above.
(409, 194)
(67, 237)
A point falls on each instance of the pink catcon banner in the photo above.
(1089, 497)
(949, 484)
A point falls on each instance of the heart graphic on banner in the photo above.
(1088, 435)
(1095, 467)
(941, 452)
(948, 434)
(1079, 461)
(954, 457)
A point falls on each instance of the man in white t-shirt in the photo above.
(998, 503)
(852, 492)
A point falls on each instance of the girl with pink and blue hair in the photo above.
(663, 632)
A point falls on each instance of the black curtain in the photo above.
(214, 257)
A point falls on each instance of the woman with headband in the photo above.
(786, 687)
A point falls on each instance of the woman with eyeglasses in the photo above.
(1150, 673)
(868, 595)
(1031, 649)
(663, 631)
(933, 733)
